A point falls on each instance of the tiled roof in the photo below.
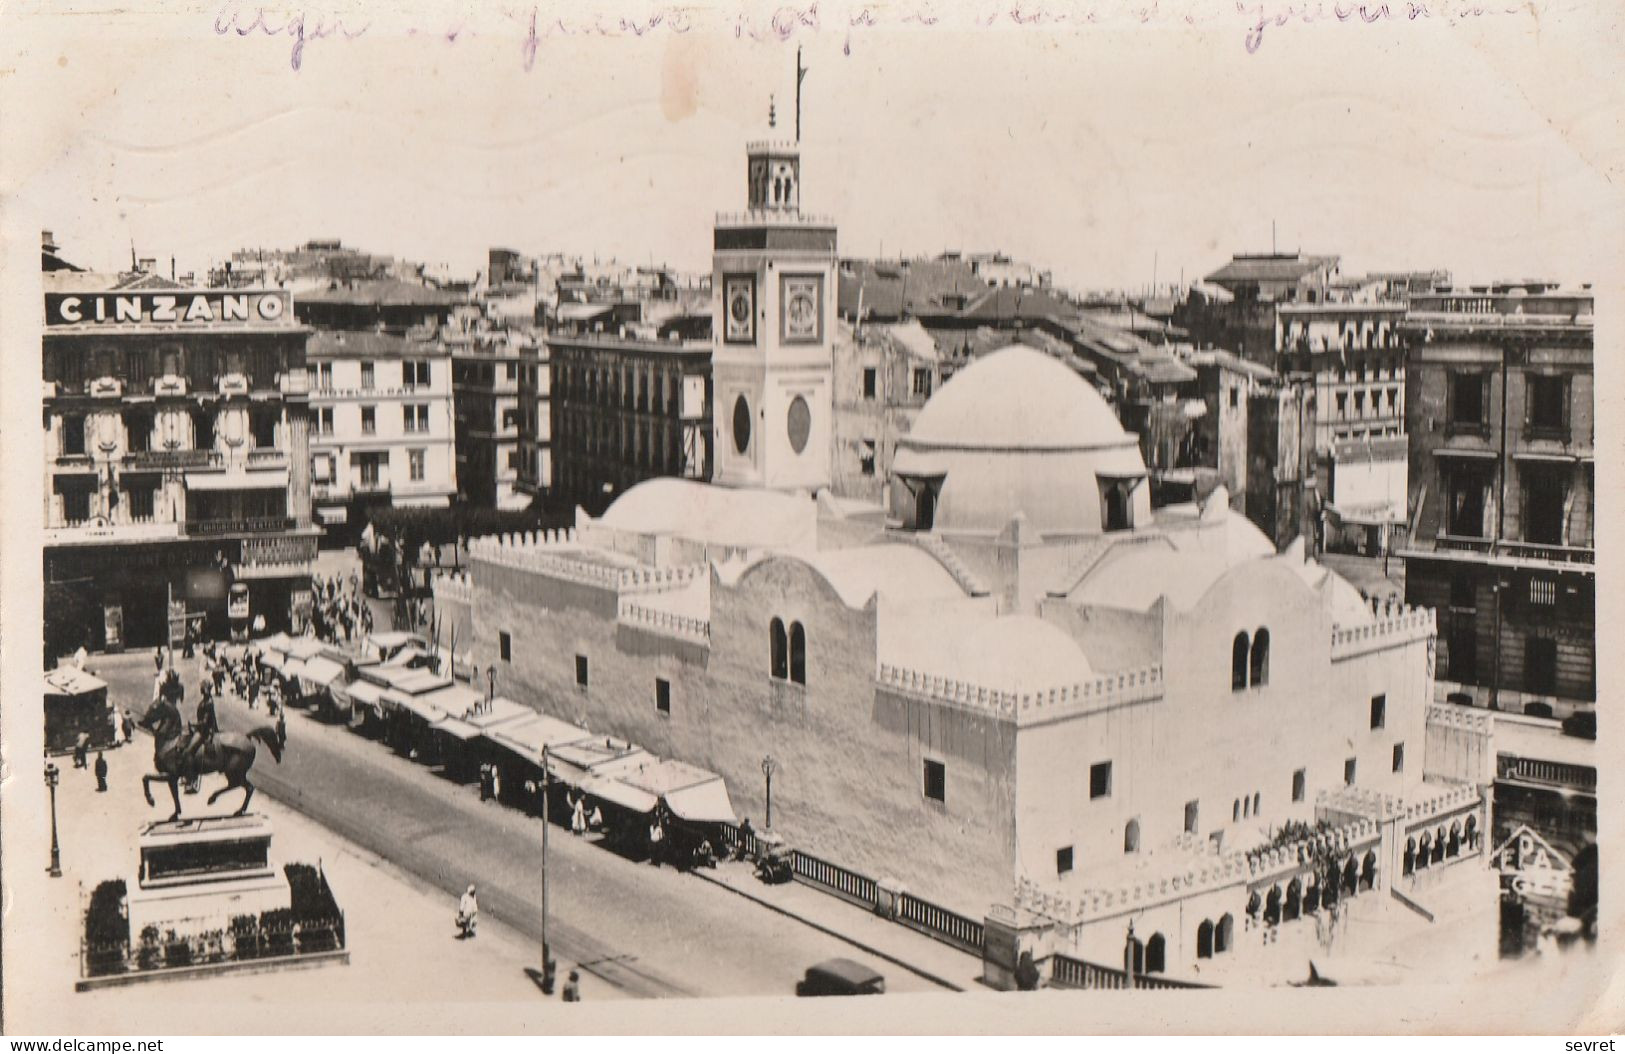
(1010, 302)
(354, 344)
(931, 286)
(384, 292)
(1283, 267)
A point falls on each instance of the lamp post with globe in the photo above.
(52, 776)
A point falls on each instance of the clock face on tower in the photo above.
(739, 302)
(801, 297)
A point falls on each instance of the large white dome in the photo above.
(1017, 398)
(1017, 432)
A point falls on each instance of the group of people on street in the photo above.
(341, 613)
(81, 760)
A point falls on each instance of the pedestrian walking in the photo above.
(129, 726)
(81, 750)
(746, 833)
(101, 773)
(282, 730)
(578, 817)
(572, 987)
(468, 913)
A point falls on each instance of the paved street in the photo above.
(649, 931)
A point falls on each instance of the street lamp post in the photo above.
(490, 686)
(547, 955)
(52, 774)
(769, 766)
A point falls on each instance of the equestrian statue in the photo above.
(180, 752)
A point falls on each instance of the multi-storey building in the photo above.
(381, 415)
(536, 420)
(177, 459)
(883, 374)
(386, 303)
(1354, 353)
(1502, 444)
(491, 416)
(625, 408)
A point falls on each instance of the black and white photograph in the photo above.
(1074, 517)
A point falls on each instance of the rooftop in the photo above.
(384, 292)
(1270, 267)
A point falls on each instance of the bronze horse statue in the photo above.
(227, 753)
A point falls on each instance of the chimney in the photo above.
(147, 265)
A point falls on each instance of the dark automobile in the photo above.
(841, 977)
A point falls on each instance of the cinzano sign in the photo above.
(191, 307)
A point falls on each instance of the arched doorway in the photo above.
(1351, 876)
(1224, 934)
(1204, 940)
(1424, 851)
(1368, 870)
(1409, 865)
(1272, 906)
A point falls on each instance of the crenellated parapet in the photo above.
(1401, 626)
(638, 580)
(1026, 705)
(666, 623)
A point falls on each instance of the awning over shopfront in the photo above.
(706, 802)
(623, 794)
(322, 671)
(414, 704)
(454, 700)
(595, 756)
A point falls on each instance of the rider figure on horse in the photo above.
(203, 729)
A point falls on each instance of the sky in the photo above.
(1116, 153)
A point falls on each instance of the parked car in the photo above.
(841, 977)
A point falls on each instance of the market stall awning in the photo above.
(322, 671)
(414, 704)
(274, 659)
(618, 793)
(454, 727)
(304, 648)
(70, 680)
(454, 700)
(365, 693)
(292, 667)
(527, 737)
(706, 802)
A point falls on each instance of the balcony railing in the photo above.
(370, 486)
(250, 525)
(1520, 550)
(267, 458)
(80, 462)
(278, 551)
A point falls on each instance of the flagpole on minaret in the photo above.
(801, 73)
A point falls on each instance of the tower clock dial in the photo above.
(739, 298)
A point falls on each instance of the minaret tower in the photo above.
(774, 277)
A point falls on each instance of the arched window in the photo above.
(1204, 940)
(1259, 665)
(1238, 663)
(1272, 906)
(1223, 934)
(1294, 900)
(1156, 954)
(1235, 810)
(798, 653)
(1410, 857)
(1368, 871)
(1351, 876)
(1131, 837)
(925, 508)
(1438, 844)
(1424, 851)
(780, 649)
(1258, 800)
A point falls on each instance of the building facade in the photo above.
(623, 409)
(1050, 694)
(1500, 416)
(491, 415)
(177, 460)
(381, 415)
(883, 374)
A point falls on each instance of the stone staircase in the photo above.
(944, 554)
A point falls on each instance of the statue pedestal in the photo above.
(196, 875)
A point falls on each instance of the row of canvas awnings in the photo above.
(615, 770)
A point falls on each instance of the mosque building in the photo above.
(1023, 687)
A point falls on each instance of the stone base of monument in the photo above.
(196, 875)
(208, 898)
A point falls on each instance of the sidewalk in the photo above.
(898, 946)
(407, 970)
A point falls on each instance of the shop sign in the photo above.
(192, 308)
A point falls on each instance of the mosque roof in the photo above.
(1017, 398)
(904, 572)
(967, 642)
(746, 518)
